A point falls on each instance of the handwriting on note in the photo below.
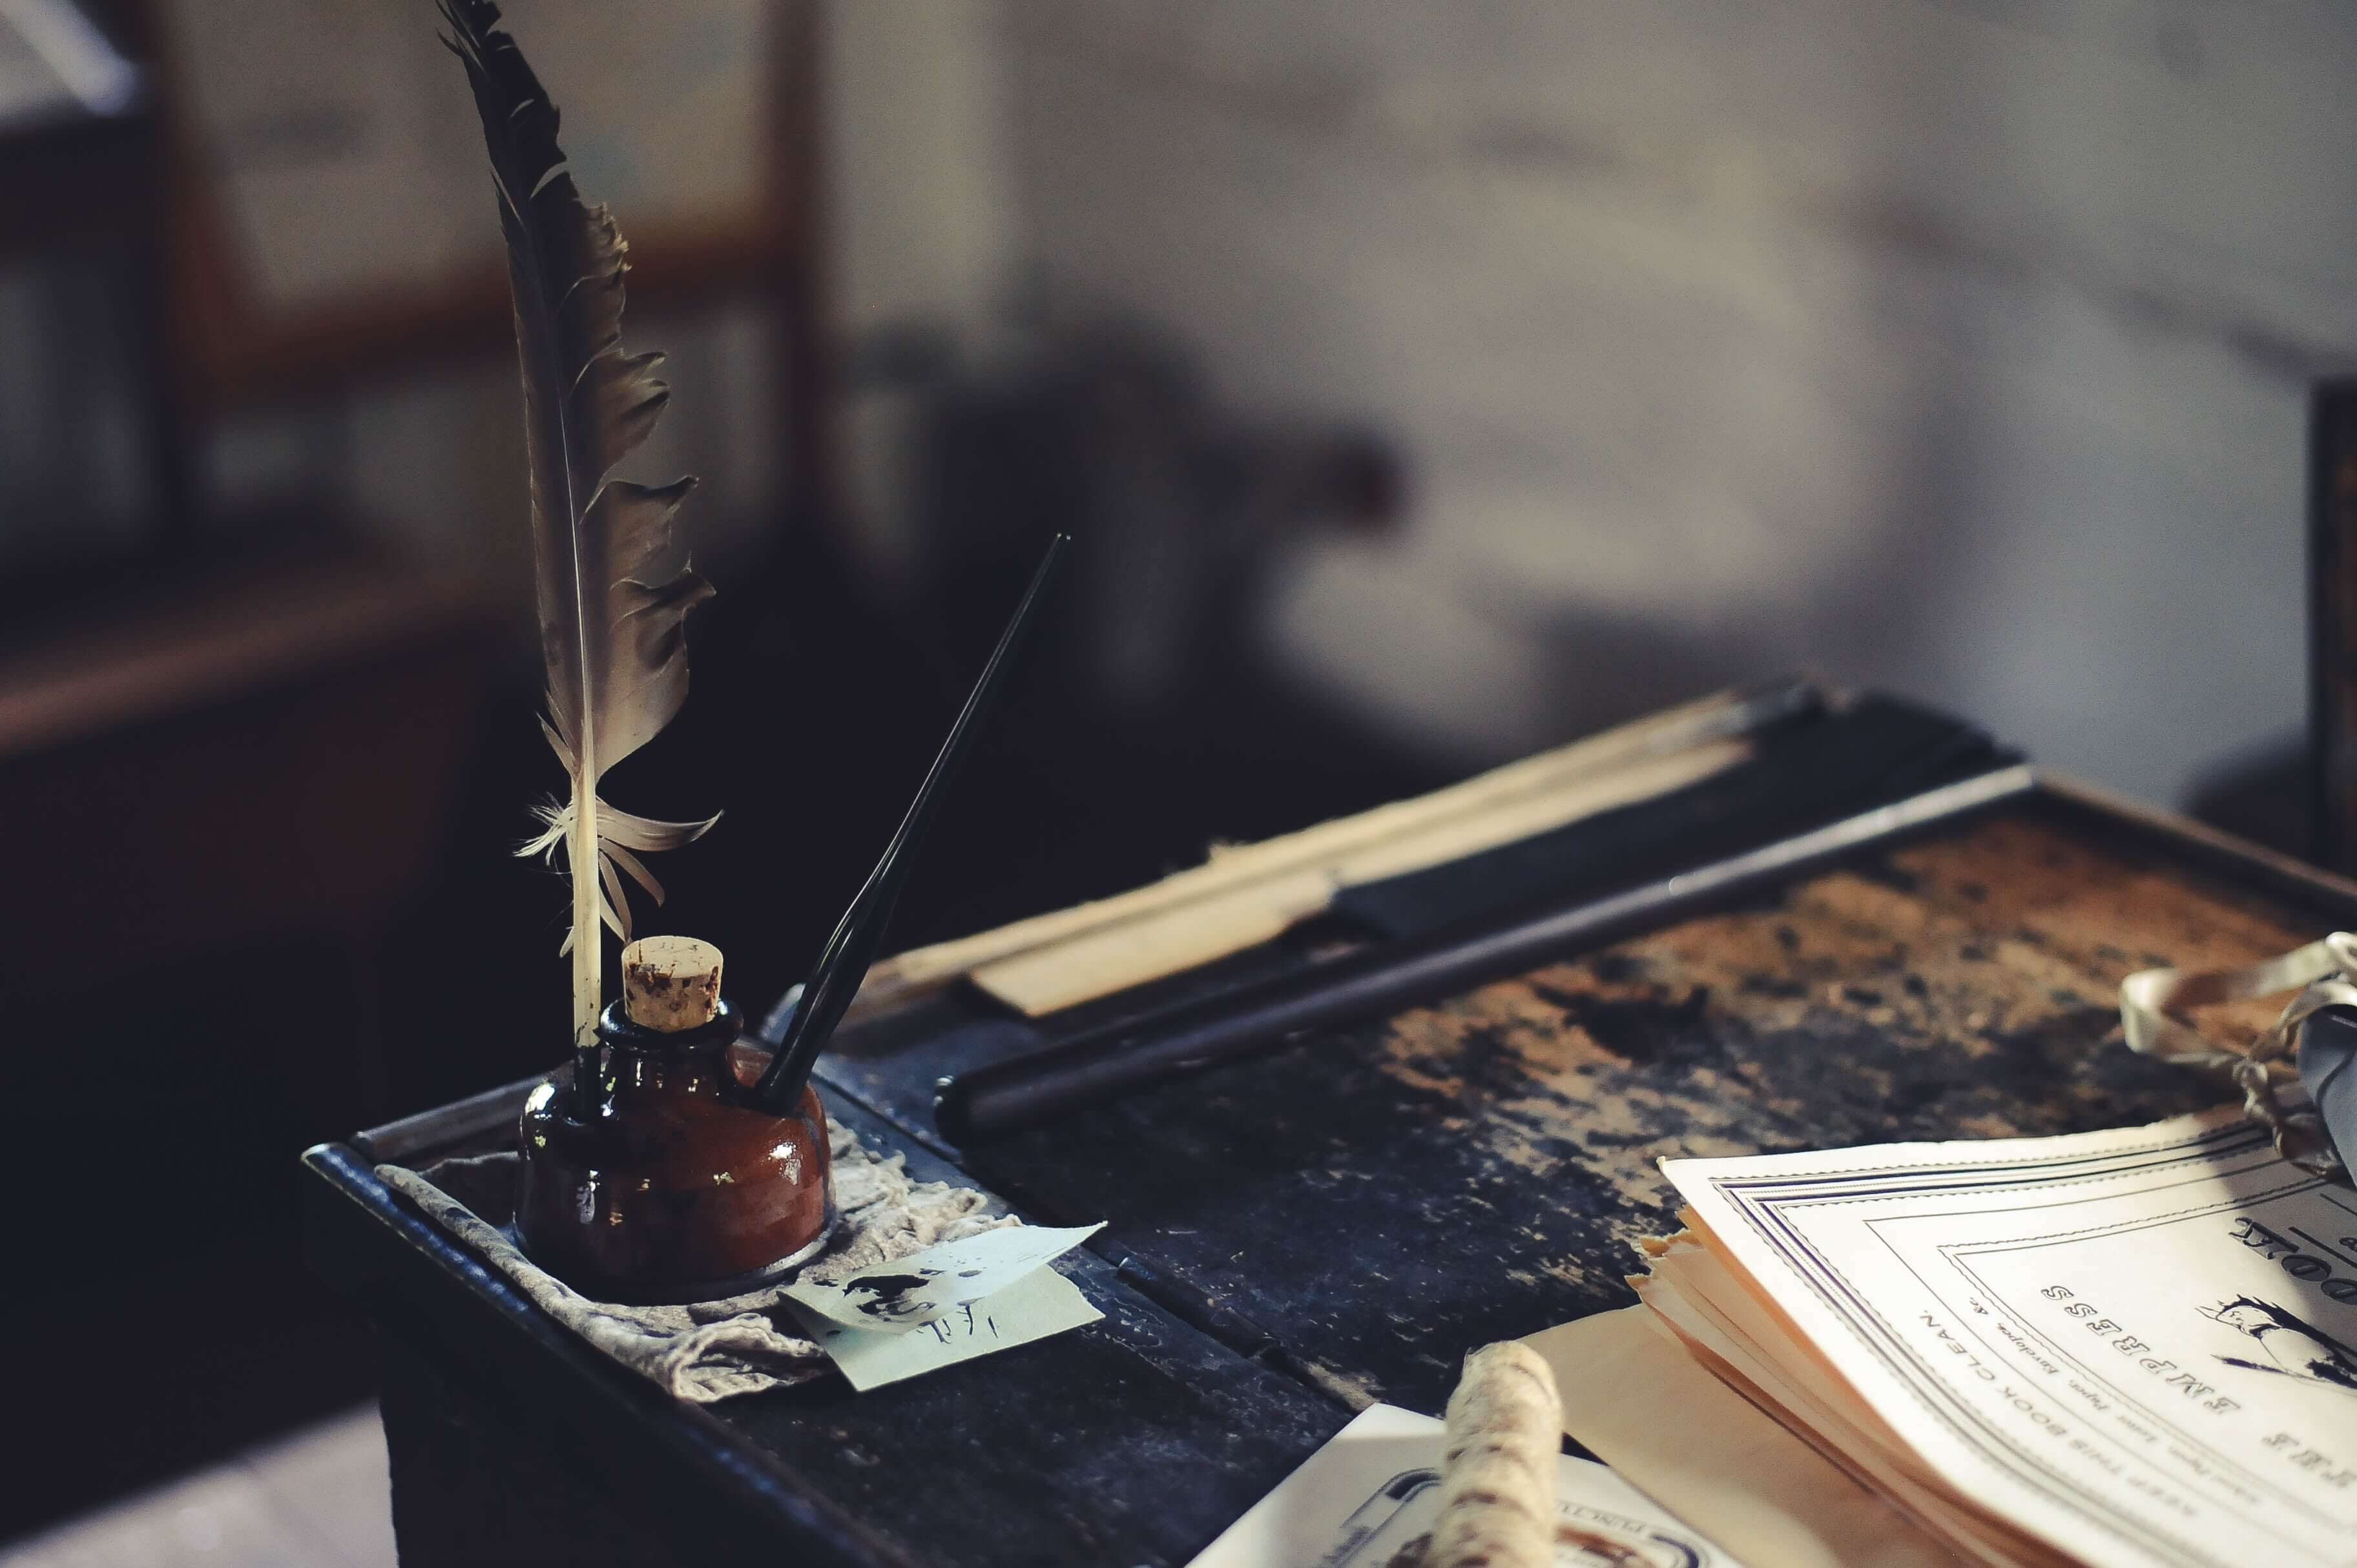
(909, 1292)
(1036, 1305)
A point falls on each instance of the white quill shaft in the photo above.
(611, 620)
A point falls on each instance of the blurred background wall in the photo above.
(1956, 345)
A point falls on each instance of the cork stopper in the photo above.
(671, 983)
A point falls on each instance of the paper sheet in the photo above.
(1633, 1396)
(1039, 1303)
(2139, 1347)
(909, 1292)
(1376, 1485)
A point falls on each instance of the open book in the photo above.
(2124, 1348)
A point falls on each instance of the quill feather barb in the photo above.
(611, 617)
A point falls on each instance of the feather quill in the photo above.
(611, 617)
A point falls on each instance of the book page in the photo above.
(2140, 1346)
(1761, 1367)
(1372, 1493)
(1635, 1399)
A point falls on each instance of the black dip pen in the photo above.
(815, 1006)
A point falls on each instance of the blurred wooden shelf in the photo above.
(165, 652)
(273, 752)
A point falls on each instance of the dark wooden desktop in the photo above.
(1294, 1236)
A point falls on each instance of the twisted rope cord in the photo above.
(2325, 974)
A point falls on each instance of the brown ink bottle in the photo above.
(650, 1174)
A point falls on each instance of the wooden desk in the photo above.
(1338, 1222)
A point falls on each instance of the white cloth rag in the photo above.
(707, 1350)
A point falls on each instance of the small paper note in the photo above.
(1038, 1304)
(909, 1292)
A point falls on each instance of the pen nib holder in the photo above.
(653, 1176)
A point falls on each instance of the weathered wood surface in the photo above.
(1134, 1440)
(1370, 1206)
